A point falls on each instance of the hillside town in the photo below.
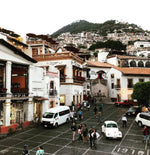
(38, 73)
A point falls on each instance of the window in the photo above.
(125, 63)
(118, 83)
(133, 64)
(130, 83)
(112, 86)
(64, 112)
(51, 91)
(141, 80)
(112, 76)
(140, 64)
(147, 64)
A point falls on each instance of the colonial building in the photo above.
(70, 68)
(15, 85)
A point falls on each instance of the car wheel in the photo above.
(140, 124)
(56, 125)
(67, 120)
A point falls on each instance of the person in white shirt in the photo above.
(124, 121)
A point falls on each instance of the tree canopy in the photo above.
(141, 92)
(113, 45)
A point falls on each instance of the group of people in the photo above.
(40, 150)
(85, 135)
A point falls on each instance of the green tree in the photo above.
(141, 92)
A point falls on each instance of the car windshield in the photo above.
(48, 115)
(133, 108)
(111, 125)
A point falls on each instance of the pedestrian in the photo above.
(40, 151)
(90, 137)
(80, 132)
(95, 136)
(101, 107)
(85, 133)
(25, 150)
(73, 106)
(146, 134)
(73, 128)
(124, 121)
(88, 106)
(100, 117)
(80, 114)
(95, 110)
(84, 105)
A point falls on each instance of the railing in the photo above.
(53, 56)
(53, 92)
(62, 78)
(117, 86)
(38, 42)
(19, 92)
(79, 79)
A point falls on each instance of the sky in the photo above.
(48, 16)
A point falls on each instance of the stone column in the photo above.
(28, 106)
(8, 76)
(6, 117)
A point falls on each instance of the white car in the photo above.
(110, 130)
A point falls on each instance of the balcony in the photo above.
(78, 79)
(117, 86)
(3, 92)
(53, 92)
(62, 78)
(19, 92)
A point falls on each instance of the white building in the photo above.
(16, 104)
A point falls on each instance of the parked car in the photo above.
(133, 111)
(110, 130)
(56, 116)
(125, 102)
(143, 118)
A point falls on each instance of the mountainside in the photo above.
(102, 29)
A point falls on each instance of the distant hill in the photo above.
(103, 29)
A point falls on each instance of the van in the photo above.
(143, 118)
(56, 116)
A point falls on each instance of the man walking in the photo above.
(124, 121)
(73, 128)
(90, 136)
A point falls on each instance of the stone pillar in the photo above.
(6, 106)
(69, 73)
(28, 106)
(8, 76)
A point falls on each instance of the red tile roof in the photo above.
(124, 70)
(133, 70)
(98, 64)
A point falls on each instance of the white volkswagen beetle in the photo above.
(110, 130)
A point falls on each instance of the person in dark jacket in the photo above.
(95, 136)
(146, 134)
(85, 133)
(73, 128)
(25, 150)
(90, 136)
(95, 110)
